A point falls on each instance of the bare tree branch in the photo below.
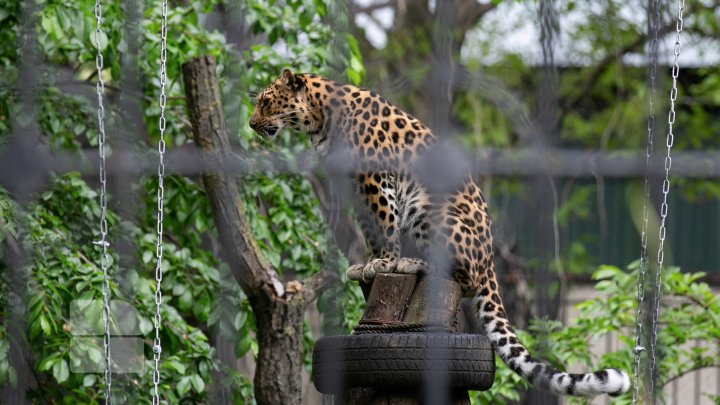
(604, 63)
(249, 266)
(690, 370)
(315, 285)
(470, 12)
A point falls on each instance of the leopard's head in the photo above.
(284, 104)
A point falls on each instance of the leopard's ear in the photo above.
(291, 80)
(288, 76)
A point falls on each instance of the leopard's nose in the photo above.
(253, 124)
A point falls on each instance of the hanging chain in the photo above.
(157, 347)
(653, 57)
(103, 243)
(666, 191)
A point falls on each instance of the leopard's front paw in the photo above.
(376, 266)
(355, 272)
(409, 265)
(366, 272)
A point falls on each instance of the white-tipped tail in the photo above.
(492, 315)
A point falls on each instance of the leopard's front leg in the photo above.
(379, 220)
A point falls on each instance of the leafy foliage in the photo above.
(9, 12)
(201, 301)
(63, 269)
(690, 314)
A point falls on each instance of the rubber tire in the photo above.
(397, 360)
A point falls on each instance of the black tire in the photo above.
(403, 360)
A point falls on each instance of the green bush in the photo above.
(690, 313)
(57, 227)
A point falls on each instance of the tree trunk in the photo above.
(279, 363)
(278, 308)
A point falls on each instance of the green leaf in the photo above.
(240, 319)
(198, 383)
(61, 371)
(183, 386)
(273, 36)
(185, 301)
(606, 272)
(178, 289)
(45, 325)
(242, 345)
(175, 365)
(148, 256)
(145, 325)
(89, 380)
(95, 355)
(353, 76)
(305, 20)
(48, 362)
(103, 40)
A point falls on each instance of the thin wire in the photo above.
(103, 243)
(666, 190)
(157, 346)
(556, 240)
(654, 28)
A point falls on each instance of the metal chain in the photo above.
(666, 190)
(157, 347)
(653, 58)
(103, 243)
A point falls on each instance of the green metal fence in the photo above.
(606, 231)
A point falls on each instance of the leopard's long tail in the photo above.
(492, 315)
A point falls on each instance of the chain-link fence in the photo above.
(549, 230)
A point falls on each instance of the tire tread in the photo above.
(401, 360)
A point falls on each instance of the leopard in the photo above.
(411, 225)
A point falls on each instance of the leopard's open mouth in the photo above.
(269, 131)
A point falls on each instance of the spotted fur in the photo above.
(447, 227)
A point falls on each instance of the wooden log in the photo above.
(389, 298)
(435, 301)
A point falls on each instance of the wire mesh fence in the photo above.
(530, 241)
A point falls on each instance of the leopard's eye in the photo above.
(265, 102)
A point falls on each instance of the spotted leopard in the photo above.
(448, 227)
